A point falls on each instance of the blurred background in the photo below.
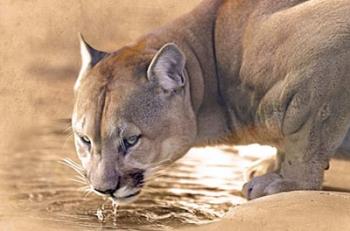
(39, 49)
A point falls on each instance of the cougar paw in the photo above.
(268, 184)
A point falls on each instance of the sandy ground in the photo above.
(40, 60)
(294, 211)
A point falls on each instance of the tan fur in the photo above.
(262, 71)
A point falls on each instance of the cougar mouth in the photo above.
(131, 195)
(128, 197)
(123, 194)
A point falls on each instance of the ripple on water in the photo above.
(198, 189)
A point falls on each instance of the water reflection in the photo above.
(198, 189)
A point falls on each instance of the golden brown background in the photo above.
(39, 50)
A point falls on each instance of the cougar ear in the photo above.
(89, 58)
(167, 67)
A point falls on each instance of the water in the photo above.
(196, 190)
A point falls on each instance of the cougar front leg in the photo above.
(295, 174)
(307, 155)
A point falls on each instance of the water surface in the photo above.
(196, 190)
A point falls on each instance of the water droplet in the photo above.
(115, 210)
(115, 207)
(99, 214)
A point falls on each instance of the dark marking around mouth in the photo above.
(137, 178)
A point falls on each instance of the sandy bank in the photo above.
(299, 210)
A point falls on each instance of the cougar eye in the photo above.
(85, 140)
(131, 141)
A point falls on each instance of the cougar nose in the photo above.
(104, 178)
(108, 191)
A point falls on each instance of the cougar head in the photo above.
(132, 115)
